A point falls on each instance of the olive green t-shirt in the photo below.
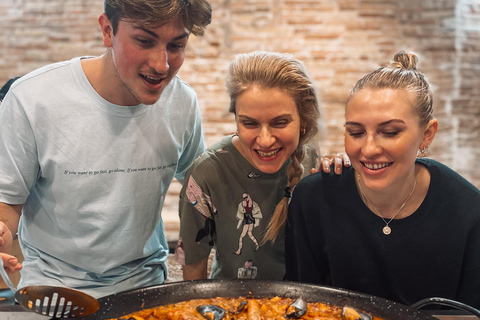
(226, 204)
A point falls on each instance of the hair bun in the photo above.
(407, 61)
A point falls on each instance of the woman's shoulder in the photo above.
(330, 180)
(213, 158)
(445, 177)
(224, 143)
(452, 194)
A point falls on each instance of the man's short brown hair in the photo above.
(195, 14)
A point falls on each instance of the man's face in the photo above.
(145, 60)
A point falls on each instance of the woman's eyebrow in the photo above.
(391, 121)
(354, 123)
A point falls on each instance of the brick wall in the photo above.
(339, 41)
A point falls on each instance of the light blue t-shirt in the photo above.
(92, 177)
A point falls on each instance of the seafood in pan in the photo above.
(248, 308)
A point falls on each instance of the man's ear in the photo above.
(107, 30)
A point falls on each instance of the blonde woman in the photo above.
(232, 190)
(395, 225)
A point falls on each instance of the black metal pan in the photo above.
(123, 303)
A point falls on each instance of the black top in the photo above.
(333, 238)
(6, 87)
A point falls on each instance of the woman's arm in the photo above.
(196, 271)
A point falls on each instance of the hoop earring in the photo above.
(303, 131)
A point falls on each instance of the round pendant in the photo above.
(387, 230)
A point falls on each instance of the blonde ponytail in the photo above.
(294, 173)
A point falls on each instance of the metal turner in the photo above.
(51, 301)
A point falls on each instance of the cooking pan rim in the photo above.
(114, 306)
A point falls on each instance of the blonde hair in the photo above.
(401, 74)
(282, 71)
(195, 14)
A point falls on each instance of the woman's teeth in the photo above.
(267, 154)
(376, 166)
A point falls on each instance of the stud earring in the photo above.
(422, 152)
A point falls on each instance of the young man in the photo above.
(89, 147)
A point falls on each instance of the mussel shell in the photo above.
(241, 306)
(206, 309)
(297, 309)
(349, 313)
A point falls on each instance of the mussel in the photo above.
(349, 313)
(297, 309)
(211, 312)
(238, 309)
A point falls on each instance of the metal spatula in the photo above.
(55, 302)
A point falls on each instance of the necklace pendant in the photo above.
(387, 230)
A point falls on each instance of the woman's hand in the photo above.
(339, 160)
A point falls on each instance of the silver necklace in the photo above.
(386, 230)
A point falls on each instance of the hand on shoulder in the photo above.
(339, 161)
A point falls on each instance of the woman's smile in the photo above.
(376, 166)
(268, 154)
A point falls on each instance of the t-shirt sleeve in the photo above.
(197, 223)
(195, 146)
(19, 166)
